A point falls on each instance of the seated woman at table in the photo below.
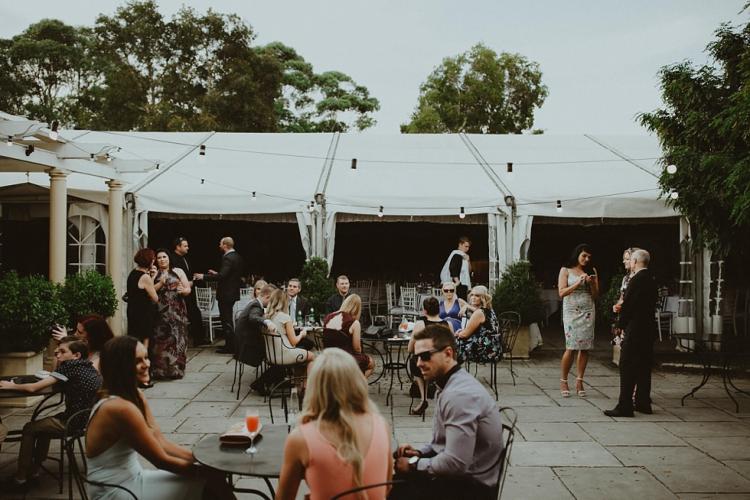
(451, 306)
(430, 311)
(257, 287)
(342, 329)
(94, 330)
(122, 426)
(290, 347)
(478, 341)
(79, 381)
(341, 441)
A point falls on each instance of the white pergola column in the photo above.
(114, 250)
(58, 222)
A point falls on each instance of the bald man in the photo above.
(229, 280)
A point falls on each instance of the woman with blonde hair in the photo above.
(478, 341)
(342, 329)
(451, 307)
(342, 442)
(286, 342)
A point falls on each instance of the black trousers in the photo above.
(636, 359)
(225, 312)
(196, 330)
(462, 291)
(424, 487)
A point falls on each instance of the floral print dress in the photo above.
(169, 343)
(485, 345)
(579, 317)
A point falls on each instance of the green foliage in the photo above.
(704, 130)
(517, 291)
(479, 92)
(88, 293)
(604, 313)
(29, 307)
(316, 286)
(137, 70)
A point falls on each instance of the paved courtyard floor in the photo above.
(565, 448)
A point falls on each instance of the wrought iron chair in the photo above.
(277, 356)
(366, 487)
(510, 324)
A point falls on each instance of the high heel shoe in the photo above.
(581, 392)
(564, 392)
(419, 410)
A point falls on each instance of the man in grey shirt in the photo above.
(461, 460)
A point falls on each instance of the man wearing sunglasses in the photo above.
(466, 439)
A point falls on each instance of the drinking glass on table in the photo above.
(252, 422)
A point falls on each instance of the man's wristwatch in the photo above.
(413, 462)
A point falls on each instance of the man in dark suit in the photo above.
(637, 315)
(178, 258)
(228, 290)
(297, 303)
(251, 322)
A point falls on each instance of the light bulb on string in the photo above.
(311, 207)
(462, 214)
(674, 195)
(354, 164)
(509, 167)
(92, 157)
(203, 181)
(202, 152)
(671, 169)
(254, 198)
(9, 142)
(109, 158)
(53, 130)
(380, 211)
(559, 206)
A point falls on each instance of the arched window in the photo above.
(87, 247)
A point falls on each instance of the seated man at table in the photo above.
(80, 383)
(467, 430)
(342, 291)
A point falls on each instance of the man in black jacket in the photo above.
(297, 303)
(251, 322)
(178, 259)
(228, 291)
(637, 321)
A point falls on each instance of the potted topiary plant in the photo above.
(316, 286)
(29, 307)
(517, 291)
(88, 293)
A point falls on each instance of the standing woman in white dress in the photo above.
(122, 426)
(578, 286)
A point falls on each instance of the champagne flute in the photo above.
(252, 422)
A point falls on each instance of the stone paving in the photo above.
(564, 449)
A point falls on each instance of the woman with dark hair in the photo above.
(431, 312)
(121, 422)
(142, 296)
(94, 330)
(578, 286)
(169, 345)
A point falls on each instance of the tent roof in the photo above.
(407, 174)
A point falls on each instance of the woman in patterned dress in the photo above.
(169, 345)
(479, 340)
(578, 286)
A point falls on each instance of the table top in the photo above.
(25, 379)
(232, 459)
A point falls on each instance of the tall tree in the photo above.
(704, 130)
(479, 91)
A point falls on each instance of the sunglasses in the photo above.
(427, 355)
(449, 290)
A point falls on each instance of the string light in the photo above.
(157, 166)
(92, 157)
(109, 158)
(559, 206)
(671, 169)
(29, 149)
(509, 167)
(311, 207)
(462, 214)
(9, 142)
(354, 164)
(202, 152)
(674, 195)
(254, 198)
(380, 211)
(203, 181)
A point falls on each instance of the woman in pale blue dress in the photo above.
(578, 286)
(122, 422)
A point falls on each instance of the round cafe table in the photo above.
(265, 463)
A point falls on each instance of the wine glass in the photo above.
(252, 422)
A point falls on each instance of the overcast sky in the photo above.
(599, 58)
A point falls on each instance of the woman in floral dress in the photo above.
(578, 286)
(169, 345)
(479, 341)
